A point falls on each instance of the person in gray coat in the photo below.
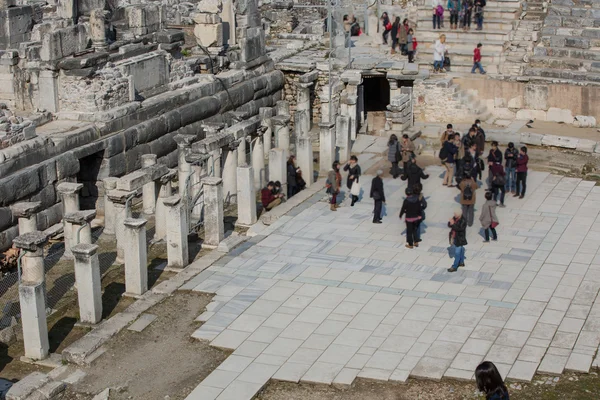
(394, 154)
(488, 218)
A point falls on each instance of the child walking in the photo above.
(488, 218)
(477, 60)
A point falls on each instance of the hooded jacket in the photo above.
(412, 207)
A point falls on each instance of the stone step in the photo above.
(460, 66)
(567, 75)
(571, 42)
(542, 79)
(506, 13)
(479, 36)
(570, 21)
(461, 55)
(493, 24)
(574, 64)
(467, 43)
(592, 55)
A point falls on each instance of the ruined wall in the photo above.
(290, 92)
(438, 101)
(106, 89)
(184, 68)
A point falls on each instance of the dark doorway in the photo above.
(376, 93)
(89, 167)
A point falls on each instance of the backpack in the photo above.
(468, 192)
(499, 180)
(439, 10)
(443, 153)
(355, 30)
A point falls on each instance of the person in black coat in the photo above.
(414, 174)
(413, 209)
(458, 237)
(494, 156)
(354, 173)
(292, 173)
(378, 196)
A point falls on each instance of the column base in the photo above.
(53, 360)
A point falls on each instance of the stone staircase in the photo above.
(523, 39)
(500, 17)
(569, 49)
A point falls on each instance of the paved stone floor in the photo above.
(326, 297)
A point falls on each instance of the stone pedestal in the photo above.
(326, 147)
(32, 301)
(282, 133)
(98, 29)
(109, 208)
(136, 257)
(177, 233)
(166, 190)
(150, 189)
(81, 228)
(122, 206)
(26, 213)
(278, 168)
(258, 160)
(69, 194)
(32, 263)
(266, 113)
(282, 107)
(343, 140)
(214, 229)
(88, 281)
(229, 172)
(304, 155)
(246, 196)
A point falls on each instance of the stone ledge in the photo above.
(279, 211)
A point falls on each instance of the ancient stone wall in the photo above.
(108, 88)
(438, 101)
(290, 92)
(184, 68)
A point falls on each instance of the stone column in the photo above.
(301, 123)
(409, 91)
(67, 9)
(184, 168)
(214, 163)
(26, 212)
(246, 196)
(149, 190)
(32, 301)
(229, 172)
(200, 171)
(32, 262)
(214, 228)
(326, 147)
(109, 207)
(277, 168)
(343, 142)
(282, 133)
(394, 90)
(304, 154)
(242, 152)
(88, 281)
(303, 102)
(351, 101)
(258, 160)
(122, 205)
(228, 17)
(98, 29)
(136, 257)
(69, 194)
(166, 190)
(177, 233)
(266, 113)
(81, 228)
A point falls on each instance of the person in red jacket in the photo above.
(270, 200)
(477, 59)
(522, 161)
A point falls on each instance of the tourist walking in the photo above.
(498, 182)
(394, 155)
(387, 27)
(522, 161)
(454, 8)
(477, 60)
(396, 35)
(489, 381)
(466, 166)
(333, 183)
(458, 238)
(268, 198)
(510, 155)
(449, 131)
(488, 218)
(468, 188)
(352, 182)
(292, 174)
(439, 52)
(494, 156)
(410, 49)
(408, 150)
(412, 208)
(414, 173)
(418, 189)
(378, 196)
(438, 13)
(447, 156)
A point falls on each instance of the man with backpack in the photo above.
(447, 156)
(467, 187)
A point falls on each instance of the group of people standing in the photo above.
(272, 195)
(403, 36)
(334, 182)
(462, 12)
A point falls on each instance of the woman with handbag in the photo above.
(394, 155)
(488, 218)
(352, 182)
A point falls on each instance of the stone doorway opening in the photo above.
(89, 168)
(376, 93)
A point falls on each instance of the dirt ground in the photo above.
(160, 361)
(554, 128)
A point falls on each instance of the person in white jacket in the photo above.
(439, 52)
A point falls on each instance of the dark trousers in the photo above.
(377, 210)
(521, 183)
(385, 36)
(467, 19)
(405, 170)
(291, 190)
(479, 21)
(453, 18)
(501, 190)
(418, 231)
(334, 198)
(411, 56)
(395, 170)
(354, 199)
(394, 43)
(437, 21)
(487, 233)
(411, 232)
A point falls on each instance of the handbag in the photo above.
(355, 189)
(493, 223)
